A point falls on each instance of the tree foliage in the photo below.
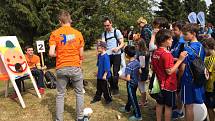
(32, 20)
(173, 10)
(211, 16)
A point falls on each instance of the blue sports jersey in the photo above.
(190, 93)
(103, 64)
(177, 47)
(132, 69)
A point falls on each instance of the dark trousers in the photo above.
(102, 87)
(132, 99)
(38, 75)
(115, 61)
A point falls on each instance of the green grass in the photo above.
(44, 109)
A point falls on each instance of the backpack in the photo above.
(198, 70)
(50, 80)
(115, 36)
(146, 34)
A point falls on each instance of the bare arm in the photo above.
(105, 75)
(126, 78)
(177, 64)
(174, 68)
(52, 52)
(122, 44)
(181, 71)
(81, 54)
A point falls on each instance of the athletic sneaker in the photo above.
(13, 96)
(94, 101)
(177, 115)
(85, 118)
(123, 110)
(42, 91)
(133, 118)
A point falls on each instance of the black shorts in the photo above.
(166, 98)
(210, 99)
(145, 74)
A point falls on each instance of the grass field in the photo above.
(44, 109)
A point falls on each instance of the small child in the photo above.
(104, 73)
(132, 76)
(143, 56)
(165, 70)
(209, 46)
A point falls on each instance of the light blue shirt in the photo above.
(112, 43)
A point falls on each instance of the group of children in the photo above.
(169, 54)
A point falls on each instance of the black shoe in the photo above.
(108, 102)
(85, 118)
(94, 101)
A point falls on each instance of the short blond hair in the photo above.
(64, 17)
(142, 20)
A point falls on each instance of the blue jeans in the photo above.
(132, 99)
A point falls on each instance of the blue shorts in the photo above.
(191, 94)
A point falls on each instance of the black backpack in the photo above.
(115, 36)
(198, 70)
(50, 80)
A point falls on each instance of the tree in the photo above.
(195, 6)
(173, 10)
(211, 16)
(31, 20)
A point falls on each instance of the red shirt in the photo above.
(162, 59)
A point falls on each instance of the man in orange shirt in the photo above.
(34, 64)
(66, 44)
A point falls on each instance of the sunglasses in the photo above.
(107, 25)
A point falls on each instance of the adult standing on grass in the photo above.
(67, 44)
(115, 43)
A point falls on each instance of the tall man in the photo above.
(115, 43)
(66, 44)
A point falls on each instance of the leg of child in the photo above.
(106, 91)
(128, 104)
(98, 95)
(168, 113)
(132, 93)
(141, 86)
(211, 113)
(189, 114)
(159, 112)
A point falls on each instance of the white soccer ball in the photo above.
(200, 112)
(88, 111)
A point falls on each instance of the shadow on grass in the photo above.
(49, 101)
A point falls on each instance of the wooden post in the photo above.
(42, 59)
(6, 87)
(18, 93)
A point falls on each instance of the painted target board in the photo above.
(13, 64)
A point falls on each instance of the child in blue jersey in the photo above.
(176, 49)
(104, 73)
(132, 76)
(190, 93)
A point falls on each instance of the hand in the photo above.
(182, 56)
(44, 67)
(104, 78)
(115, 50)
(155, 31)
